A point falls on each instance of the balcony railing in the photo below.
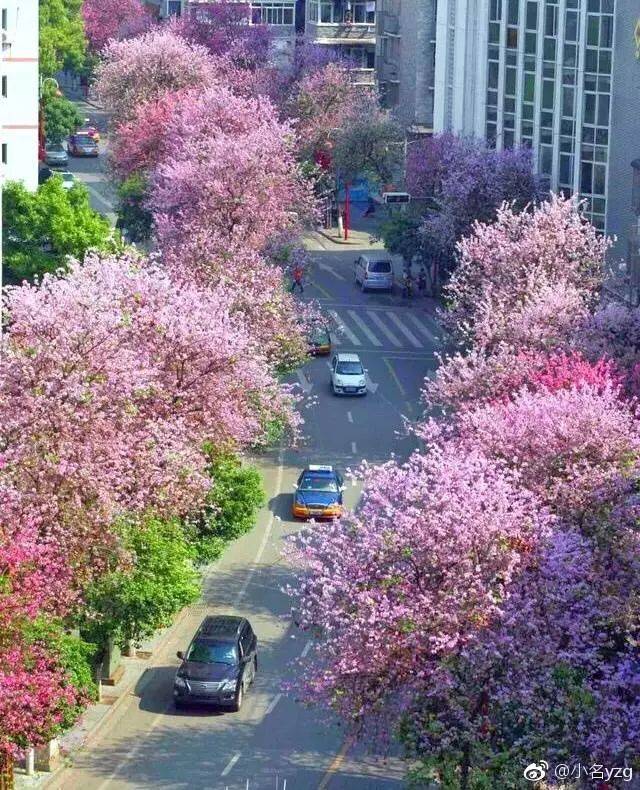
(344, 31)
(363, 76)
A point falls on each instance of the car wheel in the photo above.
(237, 702)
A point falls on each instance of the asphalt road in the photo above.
(275, 742)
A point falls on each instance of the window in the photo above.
(174, 7)
(4, 86)
(4, 19)
(272, 14)
(4, 153)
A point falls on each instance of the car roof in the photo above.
(221, 626)
(319, 471)
(348, 358)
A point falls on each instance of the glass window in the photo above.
(591, 61)
(510, 105)
(586, 177)
(566, 127)
(599, 179)
(510, 82)
(547, 94)
(593, 28)
(530, 43)
(603, 109)
(513, 12)
(566, 169)
(326, 12)
(527, 111)
(568, 95)
(602, 136)
(508, 139)
(529, 87)
(606, 31)
(546, 159)
(604, 62)
(494, 33)
(325, 483)
(532, 16)
(491, 133)
(569, 58)
(205, 652)
(512, 38)
(571, 26)
(549, 49)
(551, 21)
(493, 75)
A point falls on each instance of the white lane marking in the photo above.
(326, 268)
(423, 328)
(304, 381)
(273, 704)
(265, 537)
(229, 766)
(306, 650)
(377, 321)
(354, 449)
(356, 318)
(350, 336)
(159, 716)
(350, 416)
(406, 332)
(336, 340)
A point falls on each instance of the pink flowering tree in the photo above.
(143, 69)
(229, 163)
(516, 264)
(465, 381)
(113, 378)
(107, 20)
(224, 29)
(576, 448)
(398, 589)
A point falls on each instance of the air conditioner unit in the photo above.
(396, 197)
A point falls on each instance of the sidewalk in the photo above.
(97, 716)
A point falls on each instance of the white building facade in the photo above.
(19, 96)
(559, 76)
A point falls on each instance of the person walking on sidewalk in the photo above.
(407, 285)
(297, 278)
(422, 281)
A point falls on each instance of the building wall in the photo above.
(556, 75)
(625, 125)
(19, 108)
(406, 59)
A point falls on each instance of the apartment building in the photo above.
(559, 76)
(348, 27)
(19, 95)
(405, 61)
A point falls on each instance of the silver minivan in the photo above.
(374, 271)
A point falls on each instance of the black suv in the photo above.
(220, 663)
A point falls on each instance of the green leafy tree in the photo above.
(62, 39)
(134, 600)
(61, 118)
(132, 214)
(232, 504)
(369, 143)
(74, 656)
(40, 229)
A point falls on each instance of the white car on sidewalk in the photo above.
(348, 377)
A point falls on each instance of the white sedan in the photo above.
(348, 377)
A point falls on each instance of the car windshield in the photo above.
(350, 369)
(213, 653)
(67, 176)
(319, 483)
(380, 267)
(55, 147)
(82, 139)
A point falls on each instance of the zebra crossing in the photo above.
(384, 329)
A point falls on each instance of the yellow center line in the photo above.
(394, 376)
(335, 765)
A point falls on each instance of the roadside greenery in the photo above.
(40, 229)
(133, 217)
(137, 598)
(61, 118)
(62, 39)
(230, 511)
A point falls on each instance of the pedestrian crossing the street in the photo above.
(384, 330)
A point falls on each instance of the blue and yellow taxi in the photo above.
(318, 493)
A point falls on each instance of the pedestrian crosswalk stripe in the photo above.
(370, 336)
(349, 334)
(423, 328)
(389, 334)
(406, 332)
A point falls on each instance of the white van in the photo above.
(374, 271)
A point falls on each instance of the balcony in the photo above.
(364, 77)
(341, 32)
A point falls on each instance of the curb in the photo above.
(51, 782)
(340, 240)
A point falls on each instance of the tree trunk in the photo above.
(464, 768)
(6, 772)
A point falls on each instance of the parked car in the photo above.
(82, 145)
(348, 377)
(68, 179)
(318, 493)
(56, 155)
(44, 174)
(374, 271)
(219, 665)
